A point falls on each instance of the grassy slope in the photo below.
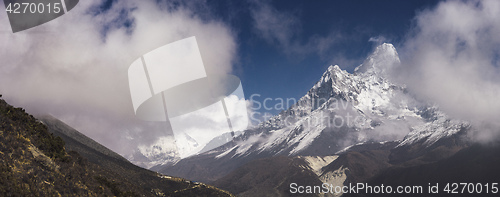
(34, 162)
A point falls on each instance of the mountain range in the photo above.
(348, 128)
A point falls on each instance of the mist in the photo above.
(75, 67)
(451, 57)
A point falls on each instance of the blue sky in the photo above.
(285, 57)
(276, 69)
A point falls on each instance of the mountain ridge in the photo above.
(36, 162)
(318, 124)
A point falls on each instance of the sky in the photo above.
(75, 67)
(291, 43)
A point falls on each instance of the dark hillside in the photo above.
(35, 162)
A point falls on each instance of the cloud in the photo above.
(283, 29)
(75, 67)
(274, 26)
(378, 40)
(452, 57)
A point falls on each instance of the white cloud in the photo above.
(75, 67)
(452, 57)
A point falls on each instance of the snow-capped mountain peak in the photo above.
(382, 60)
(341, 110)
(162, 151)
(344, 109)
(379, 110)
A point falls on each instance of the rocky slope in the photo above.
(52, 159)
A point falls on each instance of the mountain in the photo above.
(357, 164)
(162, 152)
(76, 141)
(269, 176)
(477, 164)
(342, 109)
(48, 158)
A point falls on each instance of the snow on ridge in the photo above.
(372, 96)
(435, 130)
(368, 93)
(225, 152)
(384, 58)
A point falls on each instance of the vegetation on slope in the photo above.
(34, 162)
